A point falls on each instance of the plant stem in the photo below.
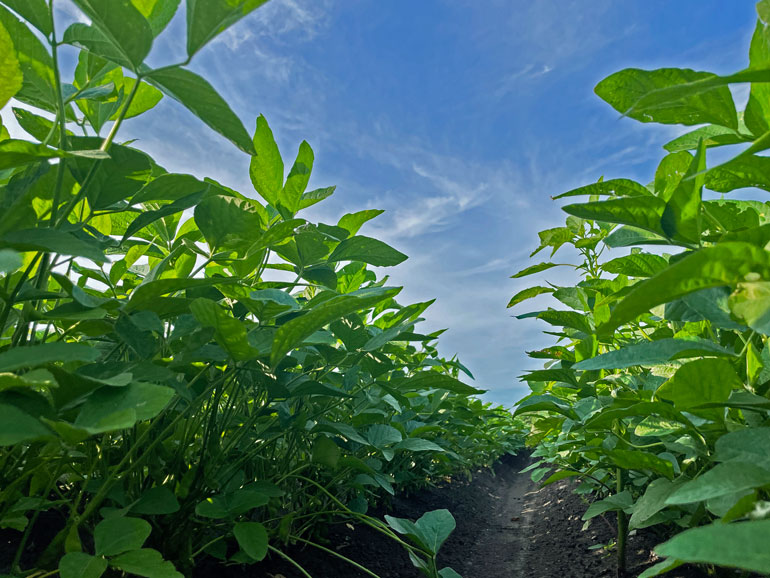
(338, 555)
(622, 529)
(290, 561)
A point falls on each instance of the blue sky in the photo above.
(459, 118)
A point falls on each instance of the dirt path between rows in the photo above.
(507, 527)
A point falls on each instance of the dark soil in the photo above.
(507, 527)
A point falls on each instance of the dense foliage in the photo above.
(657, 394)
(186, 371)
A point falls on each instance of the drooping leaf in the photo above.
(124, 27)
(208, 18)
(157, 12)
(11, 78)
(35, 62)
(202, 100)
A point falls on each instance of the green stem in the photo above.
(290, 561)
(622, 529)
(338, 555)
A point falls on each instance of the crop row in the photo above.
(185, 371)
(657, 395)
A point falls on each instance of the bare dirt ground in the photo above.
(507, 527)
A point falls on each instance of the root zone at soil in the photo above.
(507, 527)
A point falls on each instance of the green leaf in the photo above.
(636, 265)
(381, 436)
(169, 187)
(145, 562)
(117, 535)
(18, 426)
(157, 500)
(17, 153)
(418, 445)
(653, 501)
(352, 222)
(612, 188)
(228, 222)
(202, 100)
(749, 445)
(35, 12)
(750, 302)
(252, 538)
(738, 545)
(757, 113)
(81, 565)
(114, 408)
(266, 167)
(367, 250)
(648, 353)
(35, 62)
(641, 95)
(232, 504)
(157, 12)
(435, 527)
(447, 572)
(534, 269)
(36, 355)
(148, 217)
(52, 240)
(528, 293)
(436, 380)
(638, 460)
(724, 264)
(630, 236)
(208, 18)
(698, 382)
(292, 333)
(325, 452)
(10, 261)
(11, 77)
(124, 27)
(711, 135)
(613, 503)
(740, 173)
(681, 217)
(310, 198)
(296, 182)
(721, 480)
(641, 212)
(230, 332)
